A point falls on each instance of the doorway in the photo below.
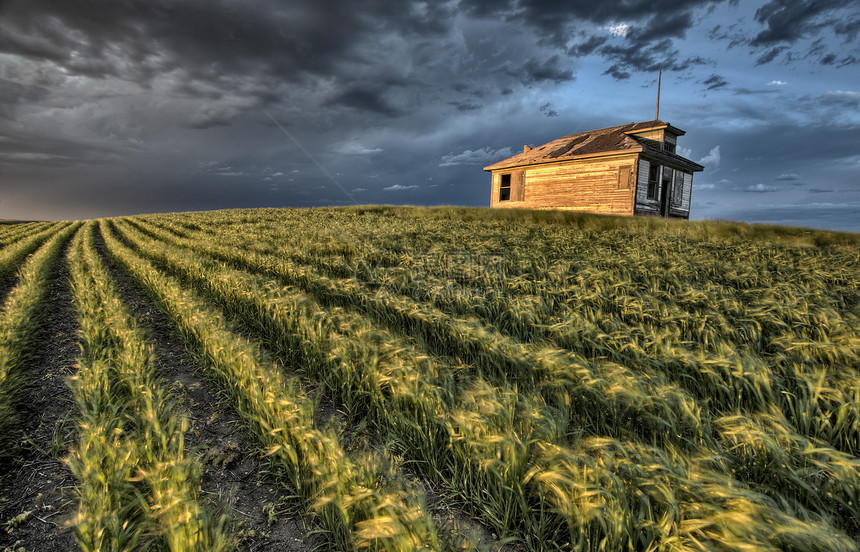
(665, 190)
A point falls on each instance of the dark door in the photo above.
(666, 189)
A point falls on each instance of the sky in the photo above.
(112, 107)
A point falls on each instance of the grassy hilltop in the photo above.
(434, 379)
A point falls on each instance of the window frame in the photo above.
(653, 192)
(624, 184)
(505, 186)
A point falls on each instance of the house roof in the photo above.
(595, 143)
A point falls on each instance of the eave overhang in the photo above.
(673, 160)
(674, 130)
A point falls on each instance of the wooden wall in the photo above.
(582, 185)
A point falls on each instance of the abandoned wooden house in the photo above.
(625, 170)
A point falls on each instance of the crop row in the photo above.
(13, 254)
(12, 233)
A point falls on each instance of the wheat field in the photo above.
(433, 379)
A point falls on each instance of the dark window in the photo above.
(653, 184)
(505, 188)
(669, 147)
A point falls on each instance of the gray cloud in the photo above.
(714, 82)
(593, 43)
(787, 177)
(712, 160)
(770, 55)
(482, 156)
(547, 110)
(554, 69)
(365, 99)
(759, 188)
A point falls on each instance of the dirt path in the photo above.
(40, 487)
(232, 477)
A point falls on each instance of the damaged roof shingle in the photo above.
(592, 142)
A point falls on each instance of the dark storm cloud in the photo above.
(554, 69)
(647, 58)
(211, 47)
(790, 20)
(209, 41)
(647, 46)
(833, 59)
(171, 104)
(552, 19)
(213, 36)
(659, 28)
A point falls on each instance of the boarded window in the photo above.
(624, 177)
(678, 189)
(654, 182)
(505, 188)
(517, 187)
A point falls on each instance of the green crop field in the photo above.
(396, 379)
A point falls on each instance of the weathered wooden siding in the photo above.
(688, 192)
(645, 206)
(656, 135)
(584, 185)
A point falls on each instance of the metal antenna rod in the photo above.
(659, 78)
